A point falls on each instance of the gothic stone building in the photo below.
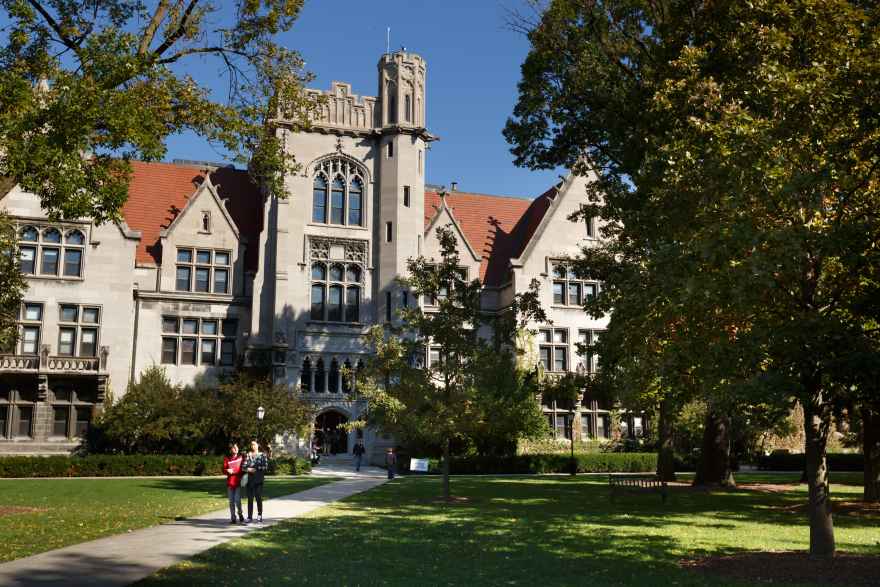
(205, 271)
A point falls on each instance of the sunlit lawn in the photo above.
(43, 514)
(519, 531)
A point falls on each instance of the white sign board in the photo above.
(418, 465)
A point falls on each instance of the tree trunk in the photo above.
(871, 450)
(665, 444)
(816, 427)
(446, 451)
(714, 465)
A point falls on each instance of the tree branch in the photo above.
(53, 24)
(153, 26)
(181, 29)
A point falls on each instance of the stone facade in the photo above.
(207, 271)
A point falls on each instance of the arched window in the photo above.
(305, 378)
(319, 272)
(51, 235)
(333, 379)
(353, 274)
(334, 304)
(407, 107)
(347, 377)
(355, 202)
(75, 237)
(29, 234)
(317, 302)
(352, 303)
(319, 200)
(337, 202)
(320, 378)
(336, 292)
(342, 200)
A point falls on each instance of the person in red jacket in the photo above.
(232, 467)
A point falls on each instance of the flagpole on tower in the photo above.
(388, 40)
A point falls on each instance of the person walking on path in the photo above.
(233, 468)
(391, 462)
(256, 466)
(358, 451)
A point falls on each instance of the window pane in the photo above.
(546, 336)
(88, 342)
(90, 316)
(202, 275)
(227, 353)
(188, 351)
(586, 426)
(184, 255)
(24, 420)
(337, 202)
(169, 351)
(319, 272)
(319, 200)
(560, 336)
(336, 273)
(30, 339)
(169, 325)
(355, 206)
(209, 351)
(69, 313)
(27, 258)
(602, 428)
(190, 326)
(33, 312)
(74, 237)
(558, 292)
(221, 280)
(203, 257)
(317, 302)
(589, 290)
(51, 236)
(183, 278)
(559, 360)
(49, 263)
(4, 418)
(545, 358)
(559, 271)
(66, 341)
(353, 274)
(83, 417)
(352, 304)
(59, 420)
(334, 309)
(29, 233)
(221, 258)
(574, 293)
(209, 327)
(230, 328)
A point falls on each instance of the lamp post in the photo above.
(581, 371)
(261, 413)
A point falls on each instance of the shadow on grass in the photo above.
(538, 530)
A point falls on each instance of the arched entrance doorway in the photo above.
(330, 438)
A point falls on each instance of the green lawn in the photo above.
(67, 511)
(551, 530)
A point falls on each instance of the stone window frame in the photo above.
(329, 170)
(78, 326)
(315, 367)
(563, 277)
(325, 283)
(71, 238)
(74, 405)
(223, 337)
(554, 342)
(11, 404)
(588, 336)
(212, 266)
(25, 324)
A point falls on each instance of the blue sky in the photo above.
(473, 68)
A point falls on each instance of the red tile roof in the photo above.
(159, 192)
(497, 227)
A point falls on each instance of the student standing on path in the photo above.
(232, 467)
(358, 451)
(391, 462)
(256, 466)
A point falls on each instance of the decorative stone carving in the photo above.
(354, 251)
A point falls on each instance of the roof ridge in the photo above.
(464, 193)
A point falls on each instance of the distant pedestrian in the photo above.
(256, 465)
(358, 451)
(391, 462)
(232, 467)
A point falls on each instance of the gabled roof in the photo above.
(497, 227)
(159, 192)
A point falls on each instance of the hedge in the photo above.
(782, 461)
(132, 465)
(632, 462)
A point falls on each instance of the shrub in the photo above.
(785, 461)
(545, 463)
(132, 465)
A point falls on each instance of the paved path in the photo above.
(126, 558)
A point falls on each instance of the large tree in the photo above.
(743, 138)
(87, 85)
(12, 283)
(472, 368)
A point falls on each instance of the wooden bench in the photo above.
(636, 483)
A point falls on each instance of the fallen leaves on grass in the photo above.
(11, 510)
(792, 567)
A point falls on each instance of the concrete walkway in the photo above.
(126, 558)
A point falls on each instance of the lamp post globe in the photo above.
(261, 412)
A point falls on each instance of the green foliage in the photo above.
(86, 86)
(12, 283)
(546, 463)
(155, 416)
(785, 461)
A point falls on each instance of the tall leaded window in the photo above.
(338, 193)
(568, 290)
(51, 252)
(336, 291)
(202, 270)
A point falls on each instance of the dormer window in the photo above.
(203, 271)
(338, 193)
